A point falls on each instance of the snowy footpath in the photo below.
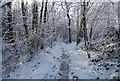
(62, 61)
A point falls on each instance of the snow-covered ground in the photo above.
(47, 64)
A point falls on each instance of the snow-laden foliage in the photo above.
(5, 2)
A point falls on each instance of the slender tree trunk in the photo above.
(78, 38)
(24, 18)
(53, 12)
(45, 12)
(35, 17)
(84, 23)
(119, 18)
(79, 27)
(91, 33)
(85, 28)
(69, 30)
(41, 11)
(69, 23)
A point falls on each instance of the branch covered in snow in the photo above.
(5, 2)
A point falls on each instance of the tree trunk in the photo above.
(24, 19)
(41, 11)
(78, 38)
(79, 28)
(119, 18)
(69, 30)
(45, 12)
(53, 12)
(35, 17)
(84, 23)
(69, 23)
(85, 28)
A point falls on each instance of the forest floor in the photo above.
(62, 61)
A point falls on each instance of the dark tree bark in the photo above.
(69, 23)
(85, 27)
(41, 12)
(35, 17)
(24, 19)
(119, 18)
(69, 30)
(84, 23)
(45, 12)
(53, 11)
(78, 37)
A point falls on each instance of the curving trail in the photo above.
(62, 61)
(65, 65)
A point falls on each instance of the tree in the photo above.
(41, 12)
(5, 2)
(95, 16)
(45, 11)
(24, 14)
(35, 17)
(79, 25)
(119, 17)
(10, 53)
(8, 33)
(69, 21)
(84, 23)
(84, 26)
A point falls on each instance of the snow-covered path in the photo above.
(47, 64)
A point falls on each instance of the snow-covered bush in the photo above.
(106, 41)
